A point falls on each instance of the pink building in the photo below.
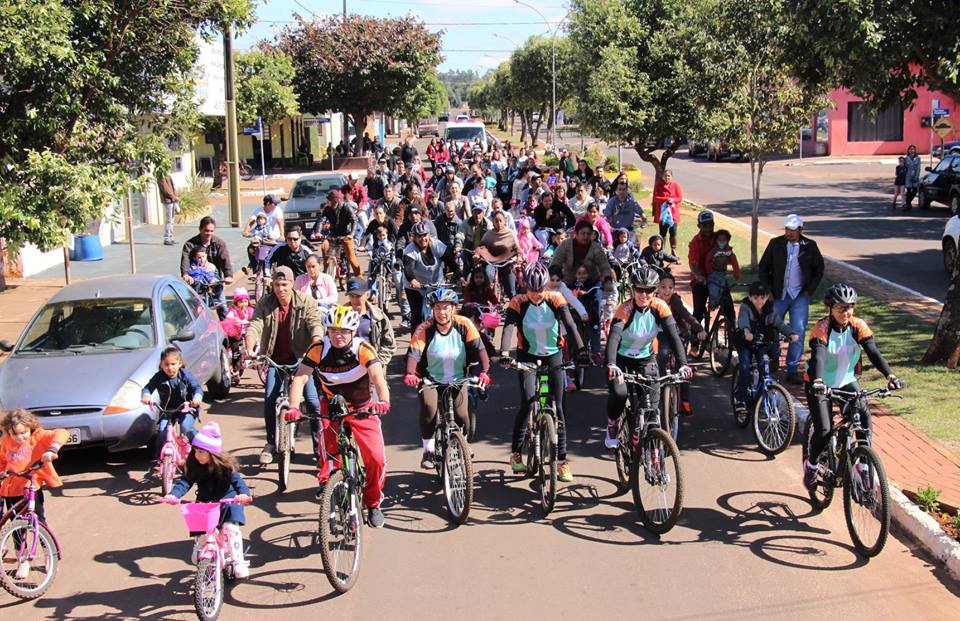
(847, 129)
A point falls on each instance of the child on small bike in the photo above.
(756, 320)
(555, 238)
(589, 294)
(24, 443)
(623, 249)
(655, 255)
(174, 386)
(217, 477)
(235, 323)
(719, 258)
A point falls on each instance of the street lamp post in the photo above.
(553, 68)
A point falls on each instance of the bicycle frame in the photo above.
(26, 509)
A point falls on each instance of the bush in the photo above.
(194, 200)
(551, 161)
(611, 163)
(927, 499)
(630, 166)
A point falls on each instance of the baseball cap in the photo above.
(354, 176)
(357, 286)
(793, 222)
(282, 272)
(705, 217)
(477, 207)
(449, 169)
(414, 209)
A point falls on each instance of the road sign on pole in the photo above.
(943, 127)
(940, 113)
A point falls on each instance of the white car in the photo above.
(463, 117)
(951, 241)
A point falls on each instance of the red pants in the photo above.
(369, 437)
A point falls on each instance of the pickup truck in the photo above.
(428, 127)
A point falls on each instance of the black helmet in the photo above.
(644, 276)
(844, 294)
(536, 277)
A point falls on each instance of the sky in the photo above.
(477, 35)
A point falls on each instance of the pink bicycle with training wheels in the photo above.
(176, 446)
(215, 565)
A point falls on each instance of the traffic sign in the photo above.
(940, 112)
(251, 131)
(943, 127)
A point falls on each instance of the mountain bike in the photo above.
(671, 397)
(769, 406)
(176, 445)
(848, 461)
(380, 275)
(285, 433)
(455, 466)
(647, 457)
(335, 261)
(29, 552)
(215, 566)
(719, 327)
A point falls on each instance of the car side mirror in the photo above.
(928, 169)
(183, 335)
(5, 346)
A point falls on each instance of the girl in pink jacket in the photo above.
(530, 246)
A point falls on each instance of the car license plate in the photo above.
(74, 437)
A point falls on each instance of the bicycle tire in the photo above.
(547, 470)
(721, 353)
(340, 519)
(773, 427)
(208, 590)
(669, 412)
(877, 493)
(458, 477)
(283, 449)
(531, 444)
(44, 541)
(822, 495)
(166, 474)
(471, 430)
(258, 288)
(655, 450)
(383, 294)
(624, 450)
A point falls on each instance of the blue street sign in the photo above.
(940, 112)
(250, 131)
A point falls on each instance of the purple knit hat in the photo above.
(208, 438)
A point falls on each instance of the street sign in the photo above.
(940, 112)
(943, 127)
(251, 131)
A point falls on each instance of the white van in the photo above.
(469, 131)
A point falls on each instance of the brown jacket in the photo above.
(305, 325)
(168, 192)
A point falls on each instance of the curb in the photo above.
(925, 531)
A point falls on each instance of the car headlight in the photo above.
(126, 399)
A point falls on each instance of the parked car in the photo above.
(941, 184)
(428, 127)
(308, 197)
(950, 148)
(443, 118)
(714, 148)
(951, 241)
(84, 358)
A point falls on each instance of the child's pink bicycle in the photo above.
(214, 563)
(29, 553)
(176, 446)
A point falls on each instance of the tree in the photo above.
(359, 64)
(458, 82)
(428, 99)
(264, 88)
(90, 91)
(531, 79)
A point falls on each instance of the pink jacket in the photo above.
(326, 287)
(235, 323)
(530, 247)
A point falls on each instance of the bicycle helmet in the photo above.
(420, 229)
(442, 295)
(844, 294)
(536, 277)
(343, 317)
(644, 276)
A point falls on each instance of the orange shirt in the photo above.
(14, 458)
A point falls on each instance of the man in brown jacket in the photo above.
(285, 324)
(171, 206)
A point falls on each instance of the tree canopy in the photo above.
(429, 99)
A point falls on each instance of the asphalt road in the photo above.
(747, 545)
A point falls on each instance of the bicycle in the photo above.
(261, 278)
(285, 433)
(211, 293)
(718, 327)
(850, 462)
(671, 397)
(455, 466)
(380, 274)
(644, 442)
(25, 538)
(215, 567)
(769, 405)
(335, 261)
(176, 446)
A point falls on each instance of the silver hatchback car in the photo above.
(84, 358)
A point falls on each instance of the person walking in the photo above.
(171, 206)
(914, 165)
(792, 267)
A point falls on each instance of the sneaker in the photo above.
(740, 409)
(266, 455)
(169, 242)
(809, 476)
(571, 385)
(686, 408)
(611, 441)
(246, 270)
(428, 460)
(516, 464)
(375, 517)
(564, 474)
(241, 570)
(23, 570)
(404, 322)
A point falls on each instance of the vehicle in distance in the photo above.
(941, 184)
(950, 148)
(443, 118)
(84, 358)
(714, 148)
(463, 116)
(428, 127)
(307, 198)
(468, 131)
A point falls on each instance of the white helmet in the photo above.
(343, 317)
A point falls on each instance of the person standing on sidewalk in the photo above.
(792, 267)
(914, 165)
(171, 206)
(667, 197)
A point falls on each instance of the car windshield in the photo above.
(464, 133)
(311, 188)
(80, 325)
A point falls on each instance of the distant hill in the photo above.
(457, 83)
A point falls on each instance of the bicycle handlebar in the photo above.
(469, 381)
(640, 378)
(24, 474)
(530, 366)
(850, 395)
(222, 501)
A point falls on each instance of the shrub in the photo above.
(630, 166)
(927, 499)
(194, 200)
(611, 163)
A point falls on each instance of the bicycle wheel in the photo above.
(17, 540)
(866, 501)
(340, 533)
(531, 444)
(774, 420)
(624, 450)
(670, 412)
(166, 474)
(284, 450)
(208, 589)
(471, 430)
(822, 495)
(258, 288)
(720, 352)
(547, 471)
(458, 477)
(657, 481)
(383, 293)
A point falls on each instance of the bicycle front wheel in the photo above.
(17, 540)
(624, 452)
(774, 420)
(547, 462)
(866, 501)
(166, 474)
(720, 352)
(208, 590)
(657, 481)
(458, 477)
(822, 495)
(670, 412)
(284, 448)
(341, 526)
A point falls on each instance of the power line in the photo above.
(290, 21)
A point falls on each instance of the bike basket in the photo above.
(490, 321)
(202, 517)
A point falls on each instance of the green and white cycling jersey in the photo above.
(444, 357)
(640, 327)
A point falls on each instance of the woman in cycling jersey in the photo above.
(633, 330)
(539, 314)
(834, 361)
(441, 350)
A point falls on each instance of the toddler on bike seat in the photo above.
(756, 320)
(174, 386)
(623, 248)
(201, 271)
(217, 477)
(655, 255)
(25, 442)
(719, 258)
(259, 233)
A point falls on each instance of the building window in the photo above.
(178, 164)
(862, 127)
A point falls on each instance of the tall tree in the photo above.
(360, 64)
(429, 99)
(531, 75)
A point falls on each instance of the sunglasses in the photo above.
(293, 239)
(647, 290)
(844, 308)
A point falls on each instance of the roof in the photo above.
(322, 176)
(131, 286)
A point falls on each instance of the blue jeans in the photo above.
(310, 405)
(187, 422)
(741, 392)
(799, 309)
(715, 283)
(508, 279)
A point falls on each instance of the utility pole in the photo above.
(233, 155)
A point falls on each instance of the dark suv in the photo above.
(942, 184)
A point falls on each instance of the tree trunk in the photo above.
(359, 128)
(523, 126)
(3, 267)
(756, 171)
(659, 163)
(219, 156)
(944, 348)
(539, 124)
(513, 115)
